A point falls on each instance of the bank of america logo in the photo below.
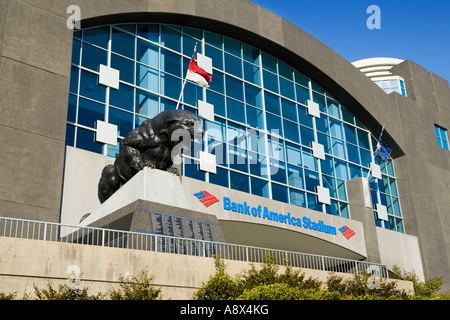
(206, 198)
(347, 232)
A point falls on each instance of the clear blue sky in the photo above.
(410, 29)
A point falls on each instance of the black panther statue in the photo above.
(150, 145)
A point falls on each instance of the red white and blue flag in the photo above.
(196, 73)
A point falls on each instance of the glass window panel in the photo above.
(98, 36)
(167, 104)
(287, 88)
(93, 57)
(260, 187)
(295, 177)
(297, 198)
(347, 116)
(251, 73)
(70, 135)
(278, 171)
(317, 88)
(125, 66)
(276, 148)
(122, 119)
(322, 124)
(216, 56)
(253, 95)
(393, 187)
(320, 99)
(147, 78)
(366, 157)
(302, 94)
(191, 36)
(307, 136)
(342, 193)
(350, 133)
(355, 171)
(220, 177)
(113, 151)
(327, 166)
(279, 193)
(74, 75)
(217, 129)
(170, 86)
(147, 53)
(250, 54)
(272, 103)
(235, 110)
(72, 109)
(305, 118)
(232, 46)
(293, 154)
(285, 71)
(353, 153)
(301, 79)
(171, 37)
(218, 149)
(330, 183)
(270, 81)
(311, 180)
(90, 88)
(86, 141)
(235, 88)
(258, 165)
(333, 108)
(233, 65)
(236, 134)
(239, 182)
(76, 47)
(291, 131)
(324, 140)
(218, 83)
(336, 129)
(363, 139)
(255, 117)
(269, 62)
(341, 169)
(213, 39)
(312, 202)
(333, 208)
(122, 98)
(218, 101)
(192, 94)
(146, 104)
(138, 120)
(148, 31)
(171, 62)
(309, 161)
(273, 124)
(191, 170)
(122, 43)
(289, 110)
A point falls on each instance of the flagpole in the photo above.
(185, 79)
(370, 169)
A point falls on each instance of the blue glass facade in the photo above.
(262, 134)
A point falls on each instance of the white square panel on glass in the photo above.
(313, 108)
(106, 133)
(318, 150)
(207, 162)
(376, 170)
(109, 77)
(382, 212)
(205, 63)
(323, 195)
(205, 110)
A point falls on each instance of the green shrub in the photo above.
(135, 288)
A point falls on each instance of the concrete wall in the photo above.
(25, 263)
(424, 172)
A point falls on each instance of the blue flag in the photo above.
(383, 150)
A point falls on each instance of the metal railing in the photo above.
(49, 231)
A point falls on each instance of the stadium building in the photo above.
(288, 159)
